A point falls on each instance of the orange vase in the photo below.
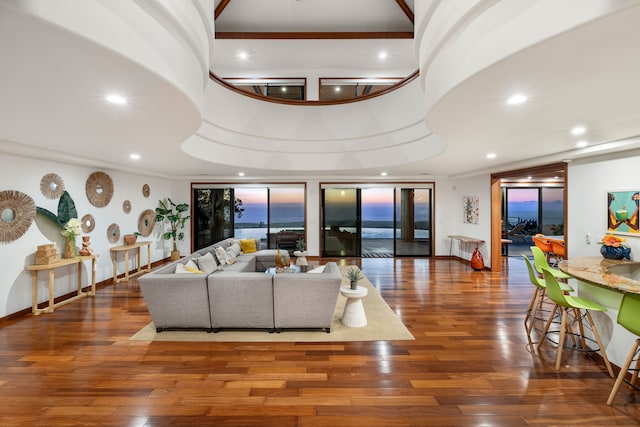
(477, 262)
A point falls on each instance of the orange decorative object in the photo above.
(477, 262)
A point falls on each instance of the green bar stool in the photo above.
(537, 299)
(540, 261)
(628, 318)
(567, 303)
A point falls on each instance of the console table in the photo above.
(126, 248)
(35, 268)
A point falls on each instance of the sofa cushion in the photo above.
(207, 263)
(230, 256)
(189, 267)
(221, 255)
(317, 270)
(248, 246)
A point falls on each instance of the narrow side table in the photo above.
(354, 315)
(126, 248)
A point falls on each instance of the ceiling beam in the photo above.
(220, 8)
(315, 35)
(405, 8)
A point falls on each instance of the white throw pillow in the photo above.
(189, 267)
(237, 250)
(231, 255)
(221, 254)
(207, 263)
(317, 270)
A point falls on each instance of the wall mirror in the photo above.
(51, 186)
(146, 222)
(99, 189)
(113, 233)
(17, 211)
(87, 223)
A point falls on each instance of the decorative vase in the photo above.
(69, 248)
(175, 253)
(354, 285)
(86, 246)
(615, 252)
(130, 239)
(279, 263)
(477, 262)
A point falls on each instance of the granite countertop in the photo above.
(596, 270)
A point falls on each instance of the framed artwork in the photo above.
(471, 209)
(622, 212)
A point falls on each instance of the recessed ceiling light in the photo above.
(581, 144)
(337, 89)
(491, 156)
(116, 99)
(243, 55)
(516, 99)
(578, 130)
(382, 55)
(383, 174)
(240, 173)
(283, 89)
(134, 156)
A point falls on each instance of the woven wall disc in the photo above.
(113, 233)
(99, 189)
(17, 211)
(146, 222)
(146, 190)
(51, 186)
(126, 206)
(87, 223)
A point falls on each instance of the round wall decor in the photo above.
(17, 211)
(87, 223)
(113, 233)
(146, 190)
(126, 206)
(99, 189)
(51, 186)
(146, 222)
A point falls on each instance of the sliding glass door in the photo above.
(341, 227)
(413, 222)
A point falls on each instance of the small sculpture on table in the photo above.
(86, 246)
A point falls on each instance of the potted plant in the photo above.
(175, 215)
(300, 253)
(353, 274)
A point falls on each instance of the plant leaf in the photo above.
(49, 215)
(66, 208)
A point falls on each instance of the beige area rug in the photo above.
(382, 325)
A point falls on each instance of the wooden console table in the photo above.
(35, 268)
(126, 249)
(463, 240)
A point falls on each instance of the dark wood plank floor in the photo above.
(468, 365)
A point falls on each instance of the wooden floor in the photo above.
(468, 366)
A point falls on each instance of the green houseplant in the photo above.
(175, 214)
(353, 274)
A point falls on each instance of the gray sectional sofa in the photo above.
(240, 295)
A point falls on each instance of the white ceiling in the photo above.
(50, 81)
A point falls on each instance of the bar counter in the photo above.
(595, 270)
(597, 282)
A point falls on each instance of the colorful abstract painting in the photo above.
(471, 209)
(622, 211)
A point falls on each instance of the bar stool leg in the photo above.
(563, 330)
(599, 341)
(623, 372)
(546, 326)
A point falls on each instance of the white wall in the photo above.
(449, 212)
(587, 186)
(24, 175)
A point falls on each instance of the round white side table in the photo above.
(354, 315)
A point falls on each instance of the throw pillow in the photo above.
(207, 263)
(230, 256)
(235, 248)
(221, 254)
(317, 270)
(248, 245)
(189, 267)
